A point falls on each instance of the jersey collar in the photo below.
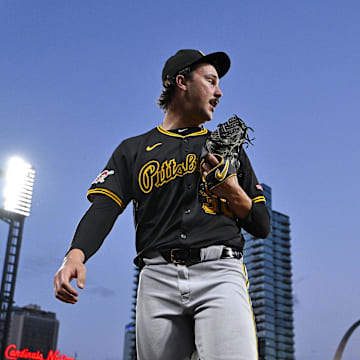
(203, 131)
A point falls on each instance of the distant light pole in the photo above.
(19, 182)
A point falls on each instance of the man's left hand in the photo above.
(230, 190)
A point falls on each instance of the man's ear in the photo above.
(181, 82)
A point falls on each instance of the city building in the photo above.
(129, 338)
(129, 342)
(268, 262)
(33, 329)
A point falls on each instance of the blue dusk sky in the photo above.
(78, 77)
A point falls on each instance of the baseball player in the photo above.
(192, 292)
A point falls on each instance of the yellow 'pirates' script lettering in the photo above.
(154, 173)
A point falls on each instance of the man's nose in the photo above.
(218, 93)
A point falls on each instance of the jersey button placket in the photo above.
(186, 149)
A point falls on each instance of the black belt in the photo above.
(191, 256)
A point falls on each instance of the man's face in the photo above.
(203, 92)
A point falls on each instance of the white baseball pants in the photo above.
(202, 311)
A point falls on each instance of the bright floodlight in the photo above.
(19, 186)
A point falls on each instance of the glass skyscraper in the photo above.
(129, 342)
(268, 262)
(130, 336)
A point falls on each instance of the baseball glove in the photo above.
(225, 144)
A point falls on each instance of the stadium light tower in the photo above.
(19, 182)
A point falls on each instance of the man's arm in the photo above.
(254, 218)
(71, 268)
(90, 234)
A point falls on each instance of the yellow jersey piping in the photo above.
(259, 199)
(108, 193)
(252, 311)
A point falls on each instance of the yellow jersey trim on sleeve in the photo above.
(163, 131)
(259, 199)
(108, 193)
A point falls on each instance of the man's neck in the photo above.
(175, 120)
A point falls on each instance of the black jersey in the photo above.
(159, 172)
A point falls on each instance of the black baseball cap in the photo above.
(188, 57)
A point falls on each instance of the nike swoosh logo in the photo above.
(221, 175)
(182, 130)
(149, 148)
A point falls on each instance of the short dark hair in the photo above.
(168, 91)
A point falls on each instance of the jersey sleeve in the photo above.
(95, 225)
(115, 180)
(248, 180)
(257, 222)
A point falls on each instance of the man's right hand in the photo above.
(71, 268)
